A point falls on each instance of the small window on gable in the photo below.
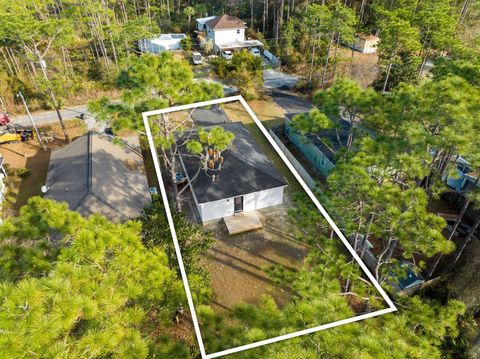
(238, 31)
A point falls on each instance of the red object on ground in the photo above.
(4, 119)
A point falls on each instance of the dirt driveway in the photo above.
(237, 263)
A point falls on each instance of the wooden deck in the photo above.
(243, 222)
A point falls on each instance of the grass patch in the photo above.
(266, 110)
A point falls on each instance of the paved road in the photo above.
(278, 80)
(275, 83)
(290, 102)
(41, 118)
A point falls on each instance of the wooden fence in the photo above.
(297, 165)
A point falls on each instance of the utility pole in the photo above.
(31, 120)
(43, 66)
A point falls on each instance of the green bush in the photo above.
(22, 172)
(243, 71)
(186, 44)
(221, 67)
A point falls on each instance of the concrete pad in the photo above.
(243, 222)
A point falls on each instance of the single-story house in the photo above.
(95, 175)
(164, 42)
(319, 149)
(247, 182)
(227, 33)
(366, 44)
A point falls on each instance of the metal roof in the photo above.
(239, 44)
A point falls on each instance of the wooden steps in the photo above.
(243, 222)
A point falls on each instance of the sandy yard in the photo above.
(237, 263)
(362, 68)
(30, 155)
(266, 110)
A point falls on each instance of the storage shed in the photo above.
(366, 44)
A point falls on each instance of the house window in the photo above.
(238, 31)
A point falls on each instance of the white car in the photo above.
(255, 51)
(227, 54)
(197, 58)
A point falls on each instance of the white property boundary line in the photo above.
(391, 306)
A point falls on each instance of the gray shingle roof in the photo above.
(210, 116)
(93, 175)
(246, 169)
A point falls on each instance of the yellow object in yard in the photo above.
(19, 135)
(9, 137)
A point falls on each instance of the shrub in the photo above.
(186, 44)
(22, 172)
(243, 71)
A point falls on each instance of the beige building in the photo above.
(366, 44)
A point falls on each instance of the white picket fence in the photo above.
(297, 165)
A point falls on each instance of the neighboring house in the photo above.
(319, 149)
(201, 23)
(409, 281)
(366, 44)
(227, 33)
(94, 175)
(465, 178)
(248, 180)
(164, 42)
(3, 187)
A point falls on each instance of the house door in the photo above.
(238, 204)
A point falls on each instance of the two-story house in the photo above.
(226, 33)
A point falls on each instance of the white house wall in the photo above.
(251, 202)
(216, 210)
(157, 46)
(266, 198)
(225, 36)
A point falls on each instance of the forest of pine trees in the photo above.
(76, 287)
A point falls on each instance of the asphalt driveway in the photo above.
(291, 103)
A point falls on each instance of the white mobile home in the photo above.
(164, 42)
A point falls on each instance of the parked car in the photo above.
(197, 58)
(255, 51)
(227, 54)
